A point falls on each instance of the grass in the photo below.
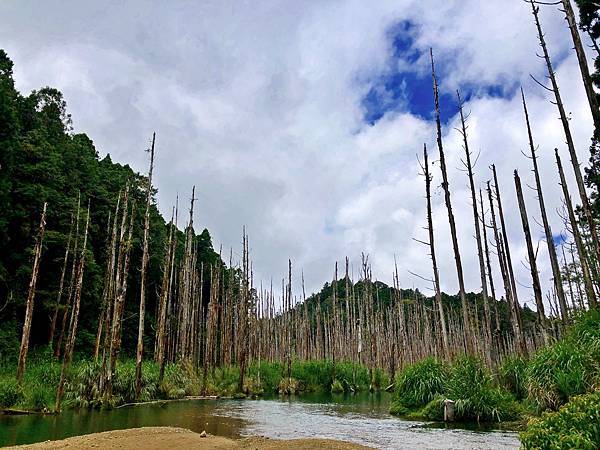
(418, 384)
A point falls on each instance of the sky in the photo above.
(302, 120)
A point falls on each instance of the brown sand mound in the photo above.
(152, 438)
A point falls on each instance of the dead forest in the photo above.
(220, 315)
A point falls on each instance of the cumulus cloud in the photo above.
(260, 104)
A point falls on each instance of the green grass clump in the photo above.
(419, 383)
(353, 376)
(560, 371)
(266, 374)
(434, 410)
(10, 392)
(575, 425)
(477, 398)
(512, 374)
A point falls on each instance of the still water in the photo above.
(361, 418)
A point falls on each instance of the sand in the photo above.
(152, 438)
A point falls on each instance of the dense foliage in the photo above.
(575, 425)
(42, 160)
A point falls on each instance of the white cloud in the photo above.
(259, 105)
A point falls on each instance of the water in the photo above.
(363, 419)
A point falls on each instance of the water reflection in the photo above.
(362, 418)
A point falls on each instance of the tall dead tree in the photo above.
(470, 347)
(585, 204)
(37, 256)
(60, 286)
(513, 306)
(484, 288)
(583, 64)
(558, 285)
(162, 302)
(142, 314)
(489, 264)
(436, 274)
(581, 249)
(70, 343)
(537, 289)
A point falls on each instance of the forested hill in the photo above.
(41, 160)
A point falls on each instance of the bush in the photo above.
(513, 376)
(10, 392)
(419, 383)
(575, 425)
(434, 410)
(560, 371)
(471, 387)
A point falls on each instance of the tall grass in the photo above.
(568, 367)
(419, 383)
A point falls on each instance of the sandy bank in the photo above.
(167, 437)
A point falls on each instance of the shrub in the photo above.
(434, 410)
(575, 425)
(419, 383)
(39, 396)
(10, 392)
(560, 371)
(471, 387)
(513, 376)
(337, 387)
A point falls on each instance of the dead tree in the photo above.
(436, 275)
(537, 289)
(70, 344)
(581, 249)
(489, 264)
(513, 306)
(60, 286)
(446, 187)
(484, 289)
(583, 64)
(142, 314)
(560, 293)
(585, 204)
(163, 299)
(37, 256)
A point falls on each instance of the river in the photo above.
(361, 418)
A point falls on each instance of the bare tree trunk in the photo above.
(484, 291)
(547, 230)
(583, 64)
(585, 204)
(489, 265)
(445, 185)
(70, 344)
(37, 252)
(515, 298)
(537, 290)
(60, 287)
(436, 275)
(581, 250)
(142, 315)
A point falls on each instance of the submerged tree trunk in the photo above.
(37, 255)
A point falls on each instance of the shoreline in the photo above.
(151, 438)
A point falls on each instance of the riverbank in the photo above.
(150, 438)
